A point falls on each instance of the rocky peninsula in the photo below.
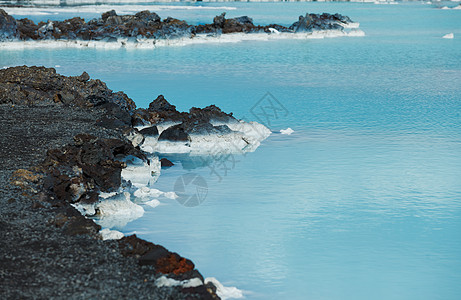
(147, 27)
(66, 141)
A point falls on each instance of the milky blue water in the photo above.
(362, 201)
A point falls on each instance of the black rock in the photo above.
(174, 133)
(165, 163)
(147, 17)
(8, 27)
(303, 24)
(161, 104)
(43, 86)
(108, 14)
(149, 131)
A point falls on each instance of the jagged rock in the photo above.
(8, 27)
(77, 172)
(174, 133)
(164, 261)
(27, 29)
(197, 121)
(108, 14)
(210, 113)
(325, 21)
(239, 24)
(166, 163)
(147, 17)
(304, 24)
(42, 86)
(149, 131)
(145, 24)
(219, 21)
(161, 104)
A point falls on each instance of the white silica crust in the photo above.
(114, 211)
(108, 234)
(287, 131)
(145, 192)
(139, 172)
(184, 41)
(223, 291)
(119, 205)
(169, 282)
(153, 203)
(245, 137)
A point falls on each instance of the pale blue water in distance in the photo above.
(362, 201)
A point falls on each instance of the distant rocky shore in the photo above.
(148, 25)
(65, 142)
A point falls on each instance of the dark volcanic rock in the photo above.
(27, 29)
(174, 133)
(166, 163)
(311, 22)
(164, 261)
(160, 110)
(8, 27)
(77, 172)
(240, 24)
(149, 131)
(210, 113)
(161, 104)
(196, 121)
(145, 24)
(42, 86)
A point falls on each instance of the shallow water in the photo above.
(362, 201)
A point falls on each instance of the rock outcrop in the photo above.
(77, 173)
(312, 22)
(148, 25)
(43, 86)
(197, 121)
(8, 27)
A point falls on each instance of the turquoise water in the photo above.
(362, 201)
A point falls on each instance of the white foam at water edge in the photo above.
(223, 291)
(170, 195)
(169, 282)
(352, 25)
(145, 192)
(118, 211)
(139, 172)
(287, 131)
(448, 36)
(153, 203)
(198, 39)
(108, 234)
(118, 205)
(245, 137)
(386, 2)
(114, 211)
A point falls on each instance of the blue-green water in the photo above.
(362, 201)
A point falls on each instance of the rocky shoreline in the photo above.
(146, 26)
(66, 141)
